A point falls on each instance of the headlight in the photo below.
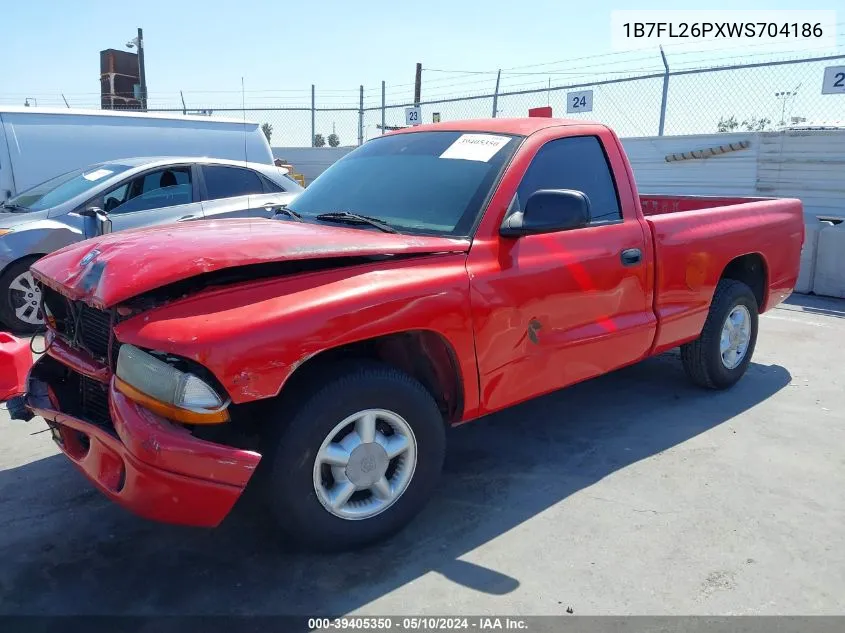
(165, 390)
(4, 231)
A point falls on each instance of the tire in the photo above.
(703, 358)
(10, 301)
(290, 481)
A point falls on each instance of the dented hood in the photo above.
(106, 270)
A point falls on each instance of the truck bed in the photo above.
(657, 204)
(697, 238)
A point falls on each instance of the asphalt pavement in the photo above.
(635, 493)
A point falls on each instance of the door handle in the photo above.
(187, 217)
(631, 256)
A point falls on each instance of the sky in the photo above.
(51, 48)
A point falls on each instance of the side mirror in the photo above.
(548, 211)
(96, 221)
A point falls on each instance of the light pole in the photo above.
(783, 96)
(142, 75)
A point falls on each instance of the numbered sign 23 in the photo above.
(581, 101)
(834, 80)
(412, 116)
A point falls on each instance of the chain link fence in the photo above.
(752, 96)
(682, 100)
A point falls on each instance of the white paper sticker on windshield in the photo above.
(96, 174)
(481, 147)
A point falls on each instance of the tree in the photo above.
(267, 128)
(319, 141)
(334, 140)
(751, 125)
(727, 125)
(757, 125)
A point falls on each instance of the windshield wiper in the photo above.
(288, 212)
(355, 218)
(15, 208)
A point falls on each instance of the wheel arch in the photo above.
(33, 256)
(424, 354)
(752, 270)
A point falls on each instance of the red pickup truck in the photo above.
(430, 277)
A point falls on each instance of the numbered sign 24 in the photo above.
(581, 101)
(412, 116)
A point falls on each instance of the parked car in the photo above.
(135, 192)
(430, 277)
(37, 144)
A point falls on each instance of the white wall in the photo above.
(805, 164)
(728, 174)
(311, 161)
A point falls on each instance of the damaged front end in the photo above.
(128, 419)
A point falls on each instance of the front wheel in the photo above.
(20, 298)
(720, 356)
(358, 460)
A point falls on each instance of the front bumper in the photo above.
(142, 462)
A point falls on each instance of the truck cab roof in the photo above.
(522, 126)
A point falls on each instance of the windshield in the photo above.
(60, 189)
(424, 182)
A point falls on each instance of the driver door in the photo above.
(561, 307)
(156, 197)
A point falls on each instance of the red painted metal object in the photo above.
(15, 361)
(472, 303)
(128, 264)
(152, 468)
(543, 111)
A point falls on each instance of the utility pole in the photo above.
(496, 94)
(665, 98)
(141, 70)
(313, 115)
(418, 85)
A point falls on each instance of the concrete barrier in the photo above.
(807, 272)
(829, 274)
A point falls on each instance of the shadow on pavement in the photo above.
(814, 304)
(66, 550)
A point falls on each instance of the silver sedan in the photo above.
(134, 192)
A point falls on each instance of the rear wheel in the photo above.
(720, 356)
(358, 460)
(20, 298)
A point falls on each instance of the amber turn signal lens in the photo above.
(170, 411)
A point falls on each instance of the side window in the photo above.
(270, 186)
(156, 190)
(153, 180)
(228, 182)
(574, 163)
(115, 197)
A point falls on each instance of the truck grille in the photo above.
(94, 402)
(89, 327)
(94, 330)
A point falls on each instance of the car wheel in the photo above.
(359, 458)
(720, 356)
(20, 298)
